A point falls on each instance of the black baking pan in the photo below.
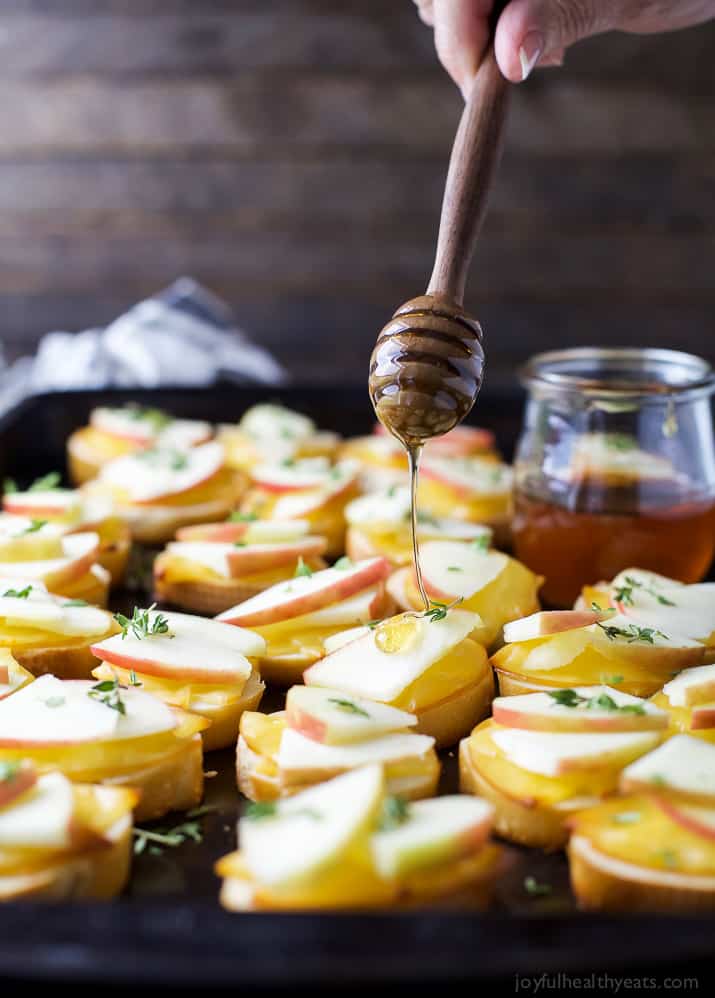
(169, 931)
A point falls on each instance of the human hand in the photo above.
(537, 32)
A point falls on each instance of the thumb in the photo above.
(530, 32)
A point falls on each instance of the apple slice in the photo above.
(683, 766)
(695, 818)
(152, 475)
(145, 426)
(454, 569)
(15, 780)
(54, 712)
(270, 423)
(259, 557)
(250, 531)
(362, 668)
(433, 832)
(182, 434)
(306, 593)
(380, 511)
(702, 717)
(302, 760)
(462, 441)
(469, 475)
(343, 479)
(362, 608)
(583, 709)
(42, 818)
(330, 717)
(547, 622)
(52, 504)
(54, 614)
(193, 648)
(80, 552)
(293, 476)
(656, 601)
(551, 754)
(332, 642)
(692, 687)
(302, 835)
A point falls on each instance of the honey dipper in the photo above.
(427, 365)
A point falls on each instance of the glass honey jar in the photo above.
(615, 467)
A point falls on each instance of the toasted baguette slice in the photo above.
(172, 783)
(97, 875)
(258, 780)
(511, 684)
(65, 662)
(225, 720)
(530, 824)
(209, 596)
(158, 524)
(92, 587)
(603, 883)
(454, 717)
(114, 555)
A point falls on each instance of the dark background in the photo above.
(290, 154)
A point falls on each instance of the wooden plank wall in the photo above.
(290, 154)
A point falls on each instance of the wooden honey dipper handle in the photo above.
(475, 156)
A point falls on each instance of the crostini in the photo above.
(116, 432)
(270, 432)
(322, 733)
(47, 633)
(654, 848)
(61, 841)
(202, 666)
(158, 490)
(212, 567)
(310, 489)
(475, 489)
(348, 844)
(38, 551)
(297, 616)
(75, 512)
(654, 600)
(12, 674)
(379, 524)
(559, 648)
(543, 756)
(428, 664)
(110, 734)
(487, 582)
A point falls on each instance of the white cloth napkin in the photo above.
(183, 336)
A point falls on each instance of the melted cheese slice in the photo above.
(361, 668)
(190, 645)
(551, 754)
(682, 764)
(298, 754)
(158, 473)
(55, 712)
(41, 818)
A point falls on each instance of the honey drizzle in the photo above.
(414, 452)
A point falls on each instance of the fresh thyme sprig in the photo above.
(154, 841)
(35, 525)
(601, 701)
(141, 625)
(108, 692)
(18, 593)
(302, 569)
(535, 888)
(438, 611)
(238, 517)
(48, 483)
(395, 812)
(263, 810)
(632, 633)
(624, 593)
(348, 706)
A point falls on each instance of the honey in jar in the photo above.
(615, 468)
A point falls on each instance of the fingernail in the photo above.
(531, 49)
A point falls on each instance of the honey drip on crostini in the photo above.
(398, 634)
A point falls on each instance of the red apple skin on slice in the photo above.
(149, 667)
(16, 785)
(226, 532)
(74, 569)
(548, 622)
(353, 582)
(4, 675)
(306, 724)
(244, 561)
(702, 717)
(36, 512)
(581, 721)
(685, 818)
(180, 492)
